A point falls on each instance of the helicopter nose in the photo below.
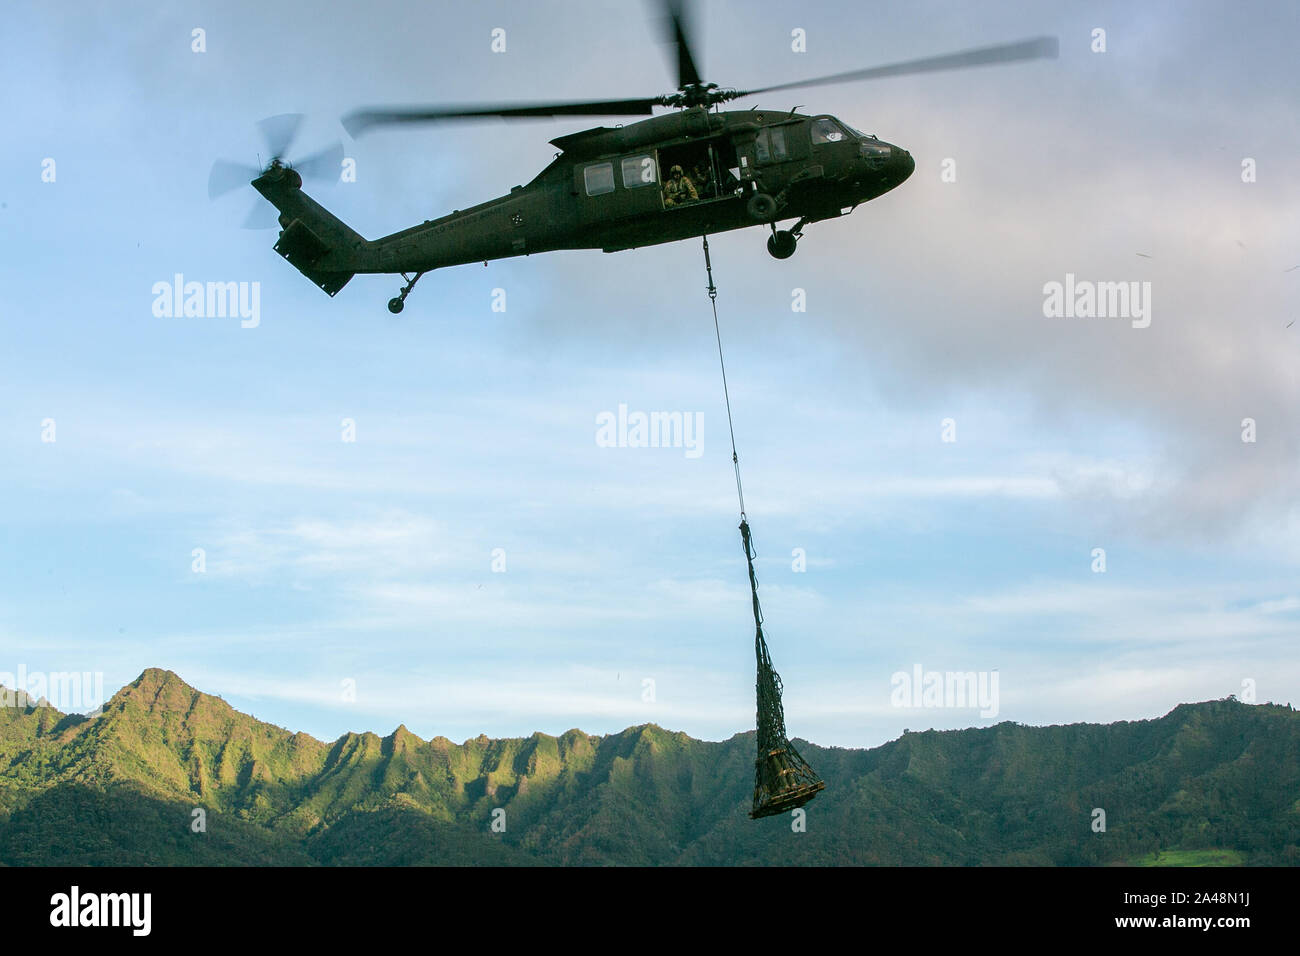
(889, 164)
(903, 163)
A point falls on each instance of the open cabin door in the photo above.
(701, 171)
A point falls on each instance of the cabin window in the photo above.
(639, 171)
(769, 146)
(599, 179)
(826, 130)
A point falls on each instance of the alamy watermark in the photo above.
(954, 690)
(208, 300)
(68, 691)
(1085, 299)
(129, 910)
(651, 430)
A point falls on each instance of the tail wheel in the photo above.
(397, 302)
(761, 207)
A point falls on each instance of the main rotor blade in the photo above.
(1035, 49)
(359, 121)
(227, 176)
(687, 72)
(324, 165)
(280, 132)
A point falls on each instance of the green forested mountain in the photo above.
(1212, 782)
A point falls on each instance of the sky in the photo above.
(350, 585)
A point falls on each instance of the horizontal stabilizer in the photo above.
(304, 249)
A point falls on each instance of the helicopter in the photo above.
(691, 172)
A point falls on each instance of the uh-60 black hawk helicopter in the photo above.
(693, 172)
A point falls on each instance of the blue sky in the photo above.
(370, 561)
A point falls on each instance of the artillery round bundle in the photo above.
(782, 778)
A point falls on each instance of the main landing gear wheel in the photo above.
(395, 305)
(761, 207)
(781, 245)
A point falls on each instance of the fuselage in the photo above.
(609, 188)
(690, 173)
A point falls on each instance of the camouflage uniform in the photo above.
(678, 191)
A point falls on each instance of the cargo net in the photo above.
(782, 779)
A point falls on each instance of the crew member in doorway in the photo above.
(702, 180)
(679, 189)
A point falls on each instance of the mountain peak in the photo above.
(153, 679)
(20, 700)
(402, 737)
(163, 690)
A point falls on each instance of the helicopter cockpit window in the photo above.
(769, 146)
(639, 171)
(826, 130)
(599, 179)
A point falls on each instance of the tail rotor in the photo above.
(278, 133)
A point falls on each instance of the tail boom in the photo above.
(313, 240)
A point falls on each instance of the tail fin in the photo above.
(315, 241)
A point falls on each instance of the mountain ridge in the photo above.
(1211, 777)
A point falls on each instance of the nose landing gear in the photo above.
(396, 303)
(781, 244)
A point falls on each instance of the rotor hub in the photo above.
(698, 94)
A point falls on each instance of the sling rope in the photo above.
(782, 778)
(713, 300)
